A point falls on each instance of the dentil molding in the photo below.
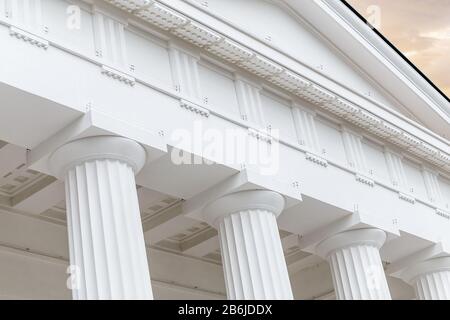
(407, 198)
(316, 159)
(202, 36)
(260, 135)
(28, 37)
(365, 180)
(194, 108)
(117, 75)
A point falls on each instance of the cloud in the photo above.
(420, 29)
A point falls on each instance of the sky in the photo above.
(420, 29)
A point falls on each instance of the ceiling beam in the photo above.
(202, 244)
(11, 157)
(40, 197)
(171, 226)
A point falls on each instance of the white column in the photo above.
(356, 265)
(106, 241)
(252, 255)
(430, 279)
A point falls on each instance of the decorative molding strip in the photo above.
(161, 16)
(289, 81)
(443, 214)
(385, 130)
(316, 159)
(316, 95)
(340, 107)
(363, 119)
(441, 160)
(194, 108)
(117, 75)
(406, 197)
(230, 51)
(261, 66)
(260, 135)
(365, 180)
(406, 140)
(425, 150)
(129, 5)
(198, 34)
(28, 37)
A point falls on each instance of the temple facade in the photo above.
(212, 149)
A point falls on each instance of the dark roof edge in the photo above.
(396, 50)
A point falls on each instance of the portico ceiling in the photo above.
(31, 193)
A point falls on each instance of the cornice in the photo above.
(394, 59)
(370, 53)
(237, 54)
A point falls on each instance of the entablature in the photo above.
(113, 48)
(360, 112)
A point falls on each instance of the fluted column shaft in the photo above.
(430, 279)
(433, 286)
(252, 253)
(106, 242)
(356, 266)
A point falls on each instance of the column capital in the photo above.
(371, 237)
(356, 264)
(433, 265)
(242, 201)
(252, 254)
(97, 148)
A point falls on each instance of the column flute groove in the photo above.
(430, 278)
(355, 263)
(252, 254)
(106, 242)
